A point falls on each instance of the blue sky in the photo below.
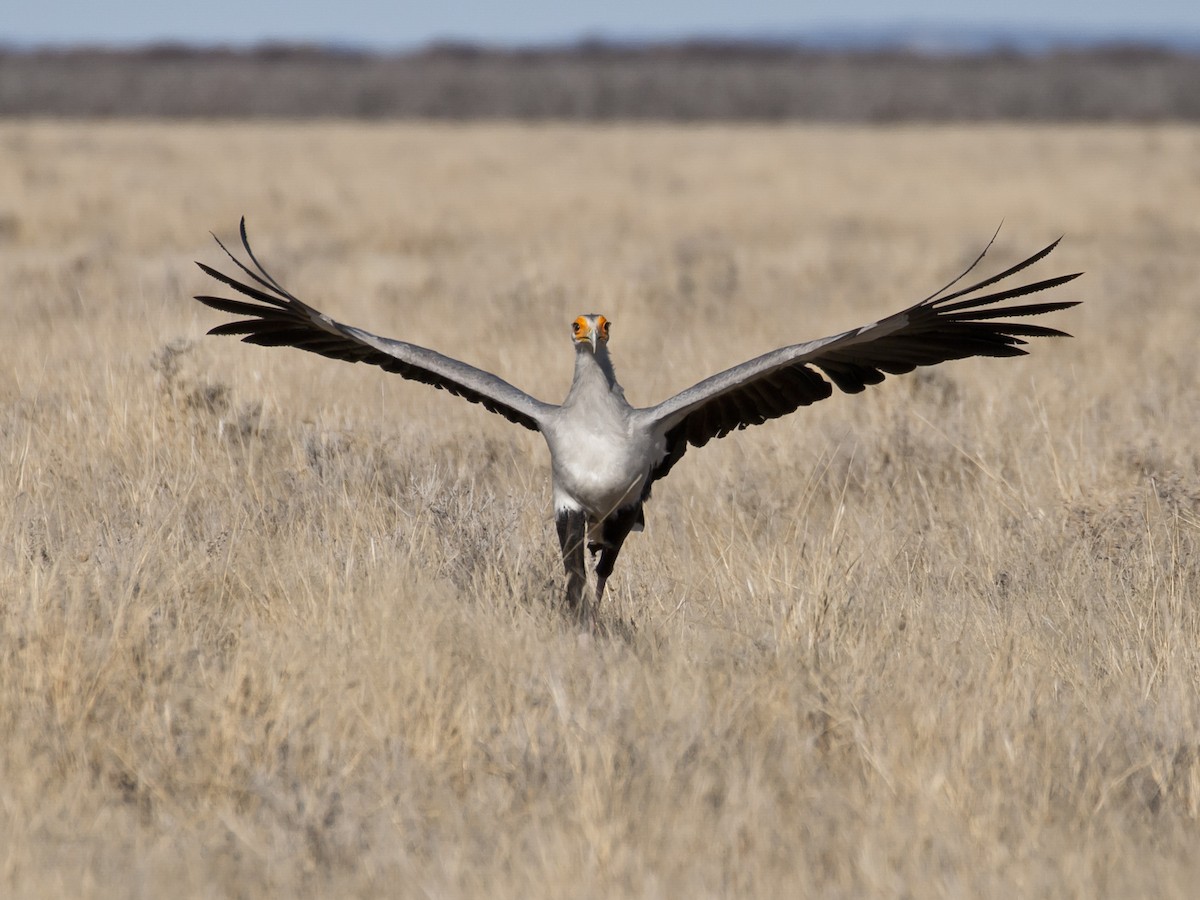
(406, 24)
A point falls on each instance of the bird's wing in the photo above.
(941, 327)
(277, 318)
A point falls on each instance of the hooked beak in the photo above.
(590, 330)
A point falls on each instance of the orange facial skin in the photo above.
(581, 328)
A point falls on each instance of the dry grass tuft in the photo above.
(277, 626)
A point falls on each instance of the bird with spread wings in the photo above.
(606, 454)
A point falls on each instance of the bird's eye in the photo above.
(575, 326)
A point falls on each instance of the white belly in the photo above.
(599, 469)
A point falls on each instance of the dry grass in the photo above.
(273, 625)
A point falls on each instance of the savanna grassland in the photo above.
(272, 625)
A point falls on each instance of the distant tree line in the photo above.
(697, 81)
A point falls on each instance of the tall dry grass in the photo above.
(278, 626)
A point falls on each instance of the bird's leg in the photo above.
(616, 529)
(572, 532)
(604, 568)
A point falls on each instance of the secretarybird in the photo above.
(605, 454)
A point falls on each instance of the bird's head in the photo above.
(591, 330)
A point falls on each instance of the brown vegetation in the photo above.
(278, 626)
(600, 83)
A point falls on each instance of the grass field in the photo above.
(273, 625)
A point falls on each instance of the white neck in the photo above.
(594, 369)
